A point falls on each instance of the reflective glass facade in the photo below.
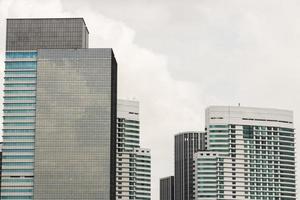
(75, 127)
(59, 123)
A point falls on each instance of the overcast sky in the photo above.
(178, 57)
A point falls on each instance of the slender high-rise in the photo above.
(186, 144)
(250, 155)
(0, 165)
(60, 102)
(166, 188)
(133, 179)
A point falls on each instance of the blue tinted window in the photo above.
(18, 104)
(20, 97)
(19, 111)
(17, 180)
(19, 91)
(18, 123)
(18, 137)
(21, 54)
(16, 190)
(20, 73)
(18, 144)
(17, 150)
(19, 78)
(18, 117)
(16, 197)
(19, 84)
(18, 157)
(17, 164)
(18, 130)
(20, 65)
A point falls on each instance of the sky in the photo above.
(179, 57)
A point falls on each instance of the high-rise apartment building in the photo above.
(0, 165)
(186, 144)
(133, 179)
(59, 123)
(166, 188)
(251, 155)
(142, 162)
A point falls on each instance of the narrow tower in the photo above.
(133, 163)
(186, 144)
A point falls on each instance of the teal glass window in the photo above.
(248, 132)
(17, 170)
(18, 144)
(17, 137)
(20, 72)
(19, 78)
(18, 157)
(18, 104)
(32, 92)
(18, 123)
(218, 126)
(18, 131)
(19, 85)
(16, 190)
(20, 65)
(16, 197)
(19, 111)
(18, 150)
(20, 98)
(18, 117)
(17, 180)
(17, 164)
(21, 54)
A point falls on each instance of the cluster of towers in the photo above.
(67, 136)
(65, 133)
(244, 153)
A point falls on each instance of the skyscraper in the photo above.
(186, 144)
(0, 165)
(59, 124)
(133, 163)
(251, 155)
(166, 188)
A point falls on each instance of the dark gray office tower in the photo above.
(59, 124)
(186, 144)
(167, 188)
(47, 33)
